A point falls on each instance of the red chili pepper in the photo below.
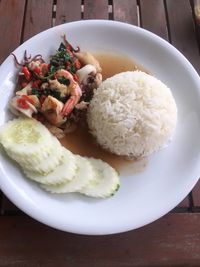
(44, 68)
(26, 73)
(75, 77)
(28, 99)
(36, 83)
(37, 70)
(77, 64)
(22, 101)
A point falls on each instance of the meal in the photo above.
(131, 114)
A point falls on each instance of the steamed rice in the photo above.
(132, 114)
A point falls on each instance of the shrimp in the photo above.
(52, 110)
(74, 91)
(55, 85)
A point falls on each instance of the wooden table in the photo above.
(174, 240)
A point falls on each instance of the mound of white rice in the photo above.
(132, 114)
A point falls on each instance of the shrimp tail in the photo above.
(69, 106)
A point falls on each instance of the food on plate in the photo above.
(84, 175)
(56, 93)
(63, 172)
(105, 182)
(56, 169)
(132, 114)
(27, 141)
(49, 164)
(93, 178)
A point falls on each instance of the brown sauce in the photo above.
(83, 143)
(112, 64)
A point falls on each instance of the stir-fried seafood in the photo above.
(59, 91)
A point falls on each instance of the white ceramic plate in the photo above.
(143, 197)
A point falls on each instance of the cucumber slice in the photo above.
(40, 161)
(25, 137)
(105, 182)
(84, 174)
(48, 164)
(62, 173)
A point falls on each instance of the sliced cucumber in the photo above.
(105, 182)
(44, 160)
(84, 174)
(48, 164)
(25, 137)
(39, 162)
(62, 173)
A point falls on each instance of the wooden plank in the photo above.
(1, 199)
(184, 203)
(11, 21)
(125, 11)
(7, 207)
(196, 195)
(67, 11)
(38, 17)
(153, 17)
(173, 240)
(196, 7)
(95, 9)
(182, 31)
(196, 14)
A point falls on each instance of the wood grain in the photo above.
(95, 9)
(38, 17)
(67, 11)
(125, 11)
(182, 31)
(173, 240)
(153, 17)
(11, 21)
